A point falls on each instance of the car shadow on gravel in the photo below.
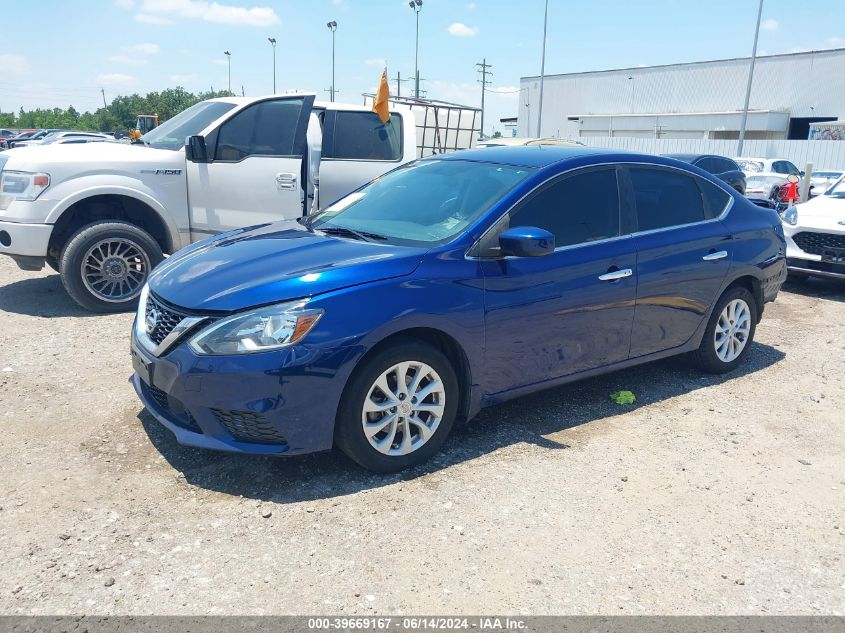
(525, 420)
(42, 297)
(818, 287)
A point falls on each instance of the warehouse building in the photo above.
(701, 100)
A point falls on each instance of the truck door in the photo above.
(255, 169)
(357, 147)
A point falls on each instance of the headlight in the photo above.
(259, 330)
(21, 185)
(790, 216)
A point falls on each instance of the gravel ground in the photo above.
(708, 496)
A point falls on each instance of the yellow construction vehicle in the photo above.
(144, 124)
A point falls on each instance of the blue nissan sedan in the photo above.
(449, 284)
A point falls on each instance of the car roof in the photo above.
(532, 155)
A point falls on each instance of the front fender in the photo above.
(72, 191)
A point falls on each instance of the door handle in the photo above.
(286, 182)
(714, 256)
(616, 274)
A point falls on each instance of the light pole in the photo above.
(750, 79)
(332, 27)
(416, 5)
(542, 71)
(272, 41)
(229, 58)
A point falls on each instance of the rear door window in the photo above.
(360, 135)
(665, 198)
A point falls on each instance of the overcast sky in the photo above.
(67, 50)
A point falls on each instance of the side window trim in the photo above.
(299, 133)
(477, 250)
(629, 185)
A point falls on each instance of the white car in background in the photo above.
(821, 179)
(767, 167)
(815, 235)
(66, 136)
(513, 141)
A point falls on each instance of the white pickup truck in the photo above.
(104, 214)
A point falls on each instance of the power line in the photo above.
(483, 68)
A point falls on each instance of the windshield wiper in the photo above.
(345, 232)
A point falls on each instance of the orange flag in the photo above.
(380, 103)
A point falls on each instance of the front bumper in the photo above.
(800, 261)
(273, 403)
(26, 240)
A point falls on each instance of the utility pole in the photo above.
(483, 69)
(104, 97)
(543, 71)
(332, 27)
(399, 81)
(750, 79)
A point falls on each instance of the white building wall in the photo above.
(808, 84)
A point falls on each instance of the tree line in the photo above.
(118, 116)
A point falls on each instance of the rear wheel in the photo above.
(105, 265)
(729, 332)
(398, 407)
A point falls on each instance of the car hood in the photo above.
(823, 212)
(70, 157)
(272, 263)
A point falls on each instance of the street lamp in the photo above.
(744, 120)
(542, 71)
(332, 27)
(272, 41)
(229, 58)
(416, 5)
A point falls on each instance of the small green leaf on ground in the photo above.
(623, 397)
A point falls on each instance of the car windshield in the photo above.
(750, 166)
(172, 133)
(423, 203)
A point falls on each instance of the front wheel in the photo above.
(729, 332)
(398, 407)
(105, 265)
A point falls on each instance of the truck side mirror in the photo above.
(195, 149)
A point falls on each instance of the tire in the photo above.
(713, 357)
(350, 435)
(118, 258)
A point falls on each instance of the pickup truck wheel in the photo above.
(398, 407)
(105, 265)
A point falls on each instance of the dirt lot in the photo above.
(709, 495)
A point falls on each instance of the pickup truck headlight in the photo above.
(261, 330)
(21, 185)
(790, 216)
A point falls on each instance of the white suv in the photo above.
(815, 235)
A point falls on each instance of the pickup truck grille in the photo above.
(166, 319)
(817, 243)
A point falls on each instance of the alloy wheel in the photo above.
(114, 270)
(403, 408)
(732, 330)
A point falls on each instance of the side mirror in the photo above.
(195, 149)
(801, 173)
(526, 241)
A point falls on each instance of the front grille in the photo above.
(246, 426)
(172, 408)
(166, 319)
(818, 243)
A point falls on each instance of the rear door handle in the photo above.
(616, 274)
(714, 256)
